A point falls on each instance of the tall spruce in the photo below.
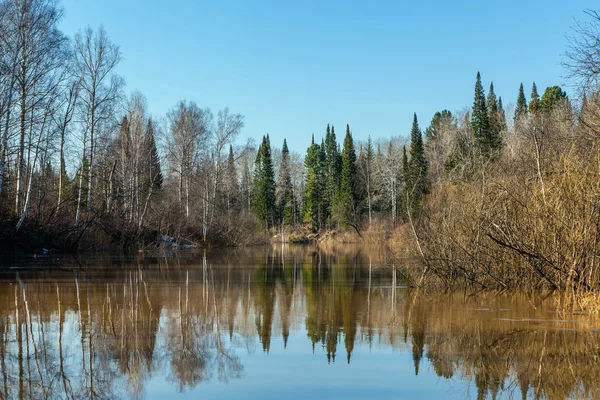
(494, 119)
(480, 123)
(231, 182)
(521, 110)
(285, 191)
(502, 114)
(332, 171)
(346, 202)
(154, 172)
(416, 180)
(313, 190)
(263, 202)
(534, 104)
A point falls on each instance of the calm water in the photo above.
(290, 323)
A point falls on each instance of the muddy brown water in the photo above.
(276, 322)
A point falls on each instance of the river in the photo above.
(276, 322)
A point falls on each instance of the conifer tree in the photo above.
(313, 190)
(264, 184)
(332, 170)
(480, 123)
(521, 110)
(534, 104)
(416, 181)
(231, 181)
(551, 98)
(502, 114)
(494, 120)
(285, 193)
(346, 202)
(153, 160)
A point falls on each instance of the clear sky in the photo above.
(291, 67)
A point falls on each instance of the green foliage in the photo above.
(415, 178)
(263, 201)
(285, 198)
(332, 170)
(502, 114)
(439, 119)
(521, 110)
(154, 171)
(534, 103)
(347, 196)
(480, 122)
(495, 118)
(553, 96)
(313, 191)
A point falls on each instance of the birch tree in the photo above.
(96, 58)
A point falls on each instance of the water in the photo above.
(263, 323)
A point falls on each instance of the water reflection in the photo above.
(75, 332)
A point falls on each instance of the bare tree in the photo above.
(188, 130)
(96, 58)
(582, 57)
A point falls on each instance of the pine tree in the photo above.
(346, 200)
(534, 104)
(285, 193)
(480, 123)
(521, 110)
(264, 184)
(416, 180)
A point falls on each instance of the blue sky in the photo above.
(292, 67)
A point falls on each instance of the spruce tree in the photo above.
(416, 179)
(313, 189)
(264, 184)
(480, 123)
(332, 170)
(154, 172)
(346, 202)
(534, 104)
(502, 114)
(231, 181)
(521, 110)
(493, 138)
(552, 96)
(285, 191)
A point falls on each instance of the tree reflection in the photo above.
(76, 335)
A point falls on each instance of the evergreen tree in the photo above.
(416, 181)
(438, 120)
(263, 201)
(502, 114)
(405, 178)
(534, 104)
(346, 202)
(285, 192)
(521, 110)
(480, 123)
(494, 119)
(332, 170)
(154, 172)
(551, 98)
(313, 189)
(231, 181)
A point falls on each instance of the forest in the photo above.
(480, 197)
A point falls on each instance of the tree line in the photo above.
(82, 162)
